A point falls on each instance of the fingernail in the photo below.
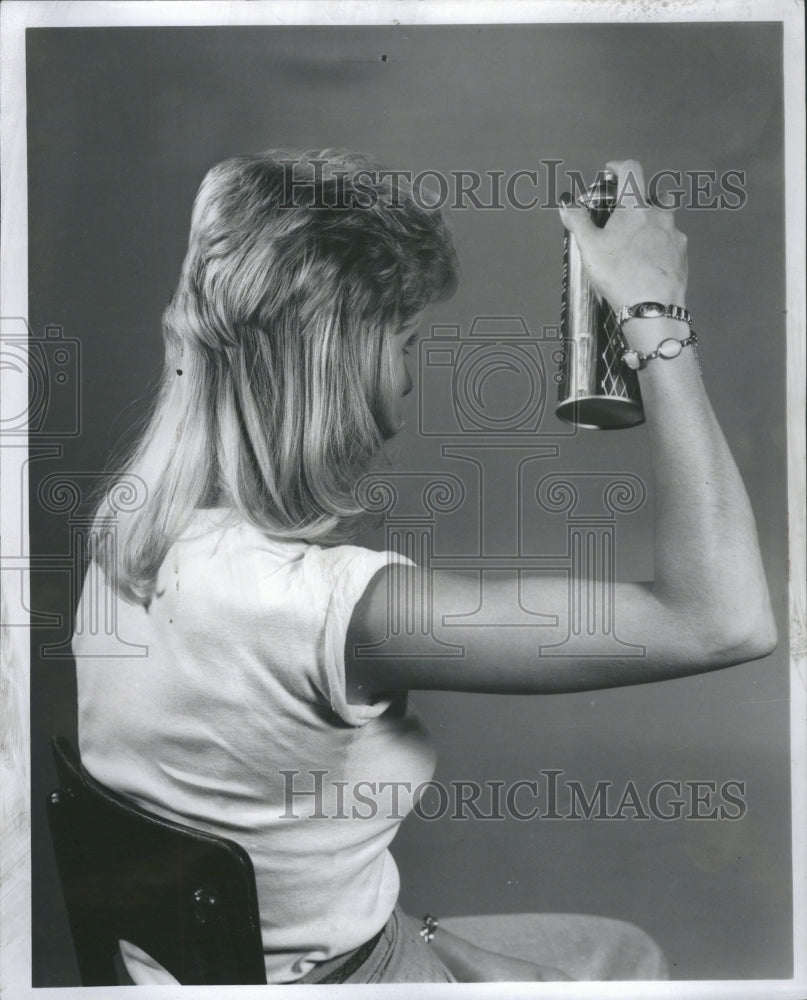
(565, 198)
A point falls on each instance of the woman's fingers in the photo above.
(578, 221)
(632, 193)
(630, 183)
(639, 255)
(664, 216)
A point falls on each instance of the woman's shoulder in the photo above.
(347, 567)
(222, 534)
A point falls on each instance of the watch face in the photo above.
(647, 310)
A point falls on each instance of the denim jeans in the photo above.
(585, 948)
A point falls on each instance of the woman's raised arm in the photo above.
(707, 606)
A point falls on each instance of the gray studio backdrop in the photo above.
(122, 125)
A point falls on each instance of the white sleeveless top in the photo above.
(244, 680)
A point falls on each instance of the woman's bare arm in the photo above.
(708, 604)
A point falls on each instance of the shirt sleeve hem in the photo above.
(349, 587)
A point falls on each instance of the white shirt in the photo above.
(244, 679)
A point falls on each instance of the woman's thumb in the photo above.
(576, 219)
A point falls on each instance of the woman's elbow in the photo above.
(750, 637)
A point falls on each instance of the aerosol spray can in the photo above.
(595, 388)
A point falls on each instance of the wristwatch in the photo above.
(653, 310)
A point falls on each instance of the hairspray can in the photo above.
(595, 388)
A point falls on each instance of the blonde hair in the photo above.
(276, 386)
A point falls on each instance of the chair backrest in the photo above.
(185, 897)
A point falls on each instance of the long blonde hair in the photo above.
(275, 393)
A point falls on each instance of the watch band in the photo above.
(653, 310)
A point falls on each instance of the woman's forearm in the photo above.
(707, 565)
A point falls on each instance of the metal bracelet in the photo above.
(653, 310)
(668, 349)
(430, 925)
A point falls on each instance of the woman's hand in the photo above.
(639, 256)
(472, 964)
